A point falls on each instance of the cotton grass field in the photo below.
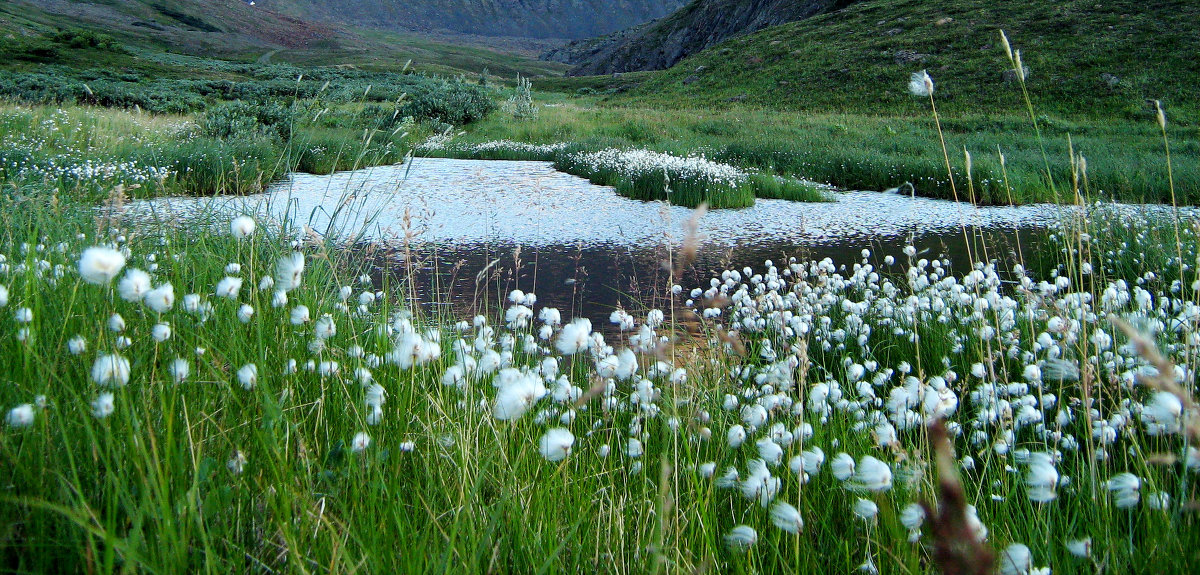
(238, 394)
(236, 397)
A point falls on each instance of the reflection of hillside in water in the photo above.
(591, 281)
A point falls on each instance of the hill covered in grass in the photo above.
(1082, 57)
(146, 36)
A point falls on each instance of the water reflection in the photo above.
(591, 281)
(455, 227)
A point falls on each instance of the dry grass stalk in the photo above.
(956, 550)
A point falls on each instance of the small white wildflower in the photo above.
(111, 371)
(1081, 548)
(236, 463)
(248, 376)
(241, 227)
(556, 443)
(134, 286)
(99, 265)
(741, 537)
(229, 287)
(180, 369)
(920, 84)
(300, 315)
(20, 416)
(289, 271)
(865, 509)
(360, 442)
(103, 406)
(1015, 560)
(787, 517)
(77, 345)
(161, 299)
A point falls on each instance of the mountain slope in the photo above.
(223, 27)
(1082, 57)
(233, 30)
(563, 19)
(699, 25)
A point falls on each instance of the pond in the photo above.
(469, 231)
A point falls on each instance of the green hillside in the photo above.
(1084, 57)
(229, 30)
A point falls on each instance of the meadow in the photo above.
(236, 394)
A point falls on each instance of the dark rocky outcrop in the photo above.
(702, 23)
(560, 19)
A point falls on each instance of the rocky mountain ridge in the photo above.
(560, 19)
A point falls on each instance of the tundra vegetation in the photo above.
(238, 395)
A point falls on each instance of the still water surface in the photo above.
(582, 247)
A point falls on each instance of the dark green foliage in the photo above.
(243, 119)
(455, 102)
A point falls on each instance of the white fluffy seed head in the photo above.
(99, 265)
(556, 443)
(242, 227)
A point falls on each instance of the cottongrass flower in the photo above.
(242, 227)
(248, 376)
(103, 406)
(1124, 487)
(1041, 481)
(707, 469)
(869, 567)
(245, 313)
(116, 323)
(134, 286)
(575, 336)
(229, 287)
(3, 295)
(236, 463)
(634, 447)
(741, 537)
(772, 453)
(180, 369)
(920, 84)
(77, 345)
(735, 436)
(865, 509)
(325, 328)
(556, 443)
(516, 396)
(300, 315)
(110, 371)
(759, 484)
(161, 332)
(842, 466)
(1162, 413)
(1158, 500)
(20, 416)
(787, 518)
(289, 271)
(1015, 560)
(360, 442)
(99, 265)
(871, 474)
(912, 517)
(161, 299)
(1081, 548)
(23, 315)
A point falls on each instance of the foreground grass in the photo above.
(371, 436)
